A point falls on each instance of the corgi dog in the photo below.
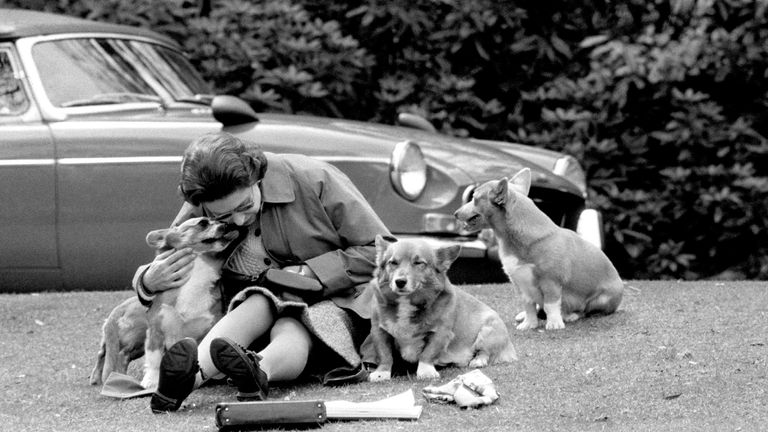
(188, 311)
(417, 311)
(554, 268)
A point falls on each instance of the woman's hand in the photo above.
(170, 269)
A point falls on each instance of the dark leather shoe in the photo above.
(177, 376)
(242, 367)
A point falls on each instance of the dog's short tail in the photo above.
(107, 357)
(98, 368)
(607, 302)
(508, 354)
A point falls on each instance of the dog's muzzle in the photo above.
(468, 223)
(400, 286)
(231, 235)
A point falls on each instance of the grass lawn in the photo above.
(677, 356)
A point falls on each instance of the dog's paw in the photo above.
(528, 324)
(555, 324)
(479, 362)
(150, 380)
(426, 371)
(377, 376)
(571, 317)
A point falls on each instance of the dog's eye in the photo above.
(420, 264)
(203, 223)
(392, 262)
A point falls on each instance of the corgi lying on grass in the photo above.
(428, 320)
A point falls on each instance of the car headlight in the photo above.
(569, 168)
(590, 227)
(408, 170)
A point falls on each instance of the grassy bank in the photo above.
(677, 356)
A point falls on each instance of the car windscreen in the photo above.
(98, 71)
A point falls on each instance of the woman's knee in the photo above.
(287, 326)
(256, 303)
(256, 306)
(250, 319)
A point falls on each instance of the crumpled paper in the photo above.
(470, 390)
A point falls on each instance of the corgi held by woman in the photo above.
(188, 311)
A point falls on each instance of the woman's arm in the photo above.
(357, 225)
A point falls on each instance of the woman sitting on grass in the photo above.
(300, 214)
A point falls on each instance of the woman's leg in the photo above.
(284, 358)
(244, 324)
(286, 355)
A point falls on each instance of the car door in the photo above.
(119, 132)
(117, 180)
(28, 242)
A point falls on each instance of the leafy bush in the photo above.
(657, 99)
(275, 53)
(459, 64)
(662, 120)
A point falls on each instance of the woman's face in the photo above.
(240, 207)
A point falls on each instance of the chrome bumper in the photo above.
(589, 226)
(470, 247)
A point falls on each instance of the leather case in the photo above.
(232, 416)
(289, 281)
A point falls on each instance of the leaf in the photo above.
(664, 137)
(591, 41)
(560, 46)
(481, 51)
(525, 44)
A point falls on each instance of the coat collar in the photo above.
(276, 186)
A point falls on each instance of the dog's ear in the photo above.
(446, 256)
(382, 244)
(499, 192)
(156, 238)
(521, 182)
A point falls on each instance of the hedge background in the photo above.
(665, 102)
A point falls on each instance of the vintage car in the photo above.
(94, 118)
